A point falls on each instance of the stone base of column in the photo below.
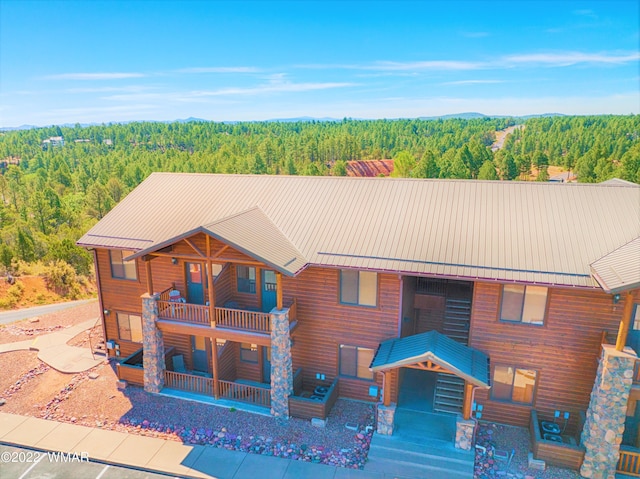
(152, 345)
(386, 414)
(281, 364)
(605, 418)
(464, 433)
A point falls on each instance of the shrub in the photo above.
(61, 278)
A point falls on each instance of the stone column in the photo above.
(464, 433)
(152, 345)
(604, 425)
(281, 366)
(386, 415)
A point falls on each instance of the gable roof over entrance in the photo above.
(433, 347)
(506, 231)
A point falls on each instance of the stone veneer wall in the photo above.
(386, 415)
(152, 345)
(464, 433)
(281, 366)
(602, 433)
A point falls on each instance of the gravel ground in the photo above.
(501, 437)
(28, 328)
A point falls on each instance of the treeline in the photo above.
(51, 194)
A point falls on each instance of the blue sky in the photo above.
(90, 61)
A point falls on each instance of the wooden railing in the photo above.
(245, 393)
(188, 382)
(186, 312)
(242, 319)
(629, 462)
(164, 295)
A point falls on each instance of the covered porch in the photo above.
(425, 355)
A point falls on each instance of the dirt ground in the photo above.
(30, 328)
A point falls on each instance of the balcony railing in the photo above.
(188, 382)
(185, 312)
(245, 393)
(629, 462)
(243, 319)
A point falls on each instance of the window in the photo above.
(358, 287)
(246, 279)
(129, 327)
(635, 317)
(249, 353)
(513, 384)
(122, 269)
(523, 304)
(355, 361)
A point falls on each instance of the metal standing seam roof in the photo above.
(463, 361)
(487, 230)
(619, 270)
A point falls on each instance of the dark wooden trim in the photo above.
(147, 265)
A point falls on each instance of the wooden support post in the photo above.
(214, 360)
(147, 265)
(468, 400)
(386, 388)
(279, 290)
(212, 296)
(625, 323)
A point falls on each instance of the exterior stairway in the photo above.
(457, 318)
(449, 394)
(419, 449)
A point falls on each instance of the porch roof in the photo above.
(463, 361)
(619, 270)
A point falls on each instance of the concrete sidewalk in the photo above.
(53, 349)
(169, 457)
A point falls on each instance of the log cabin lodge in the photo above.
(500, 301)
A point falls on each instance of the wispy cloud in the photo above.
(107, 89)
(571, 58)
(219, 70)
(472, 82)
(394, 66)
(95, 76)
(585, 13)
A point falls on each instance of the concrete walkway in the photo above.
(53, 349)
(7, 317)
(161, 455)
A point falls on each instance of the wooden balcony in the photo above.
(629, 462)
(226, 320)
(239, 390)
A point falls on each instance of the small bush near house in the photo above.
(62, 278)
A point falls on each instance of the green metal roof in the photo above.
(463, 361)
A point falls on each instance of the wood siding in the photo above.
(324, 324)
(429, 313)
(564, 351)
(227, 358)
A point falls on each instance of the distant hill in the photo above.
(369, 168)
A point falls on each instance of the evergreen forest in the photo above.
(52, 194)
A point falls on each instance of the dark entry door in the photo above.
(195, 283)
(269, 289)
(199, 349)
(266, 364)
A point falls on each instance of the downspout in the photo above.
(104, 326)
(400, 308)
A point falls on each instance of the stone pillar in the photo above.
(604, 425)
(152, 345)
(385, 418)
(464, 433)
(281, 366)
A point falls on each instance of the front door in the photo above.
(269, 290)
(195, 284)
(199, 357)
(266, 364)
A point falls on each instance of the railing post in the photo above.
(214, 357)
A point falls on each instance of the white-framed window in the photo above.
(524, 304)
(355, 361)
(129, 327)
(121, 269)
(515, 385)
(358, 287)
